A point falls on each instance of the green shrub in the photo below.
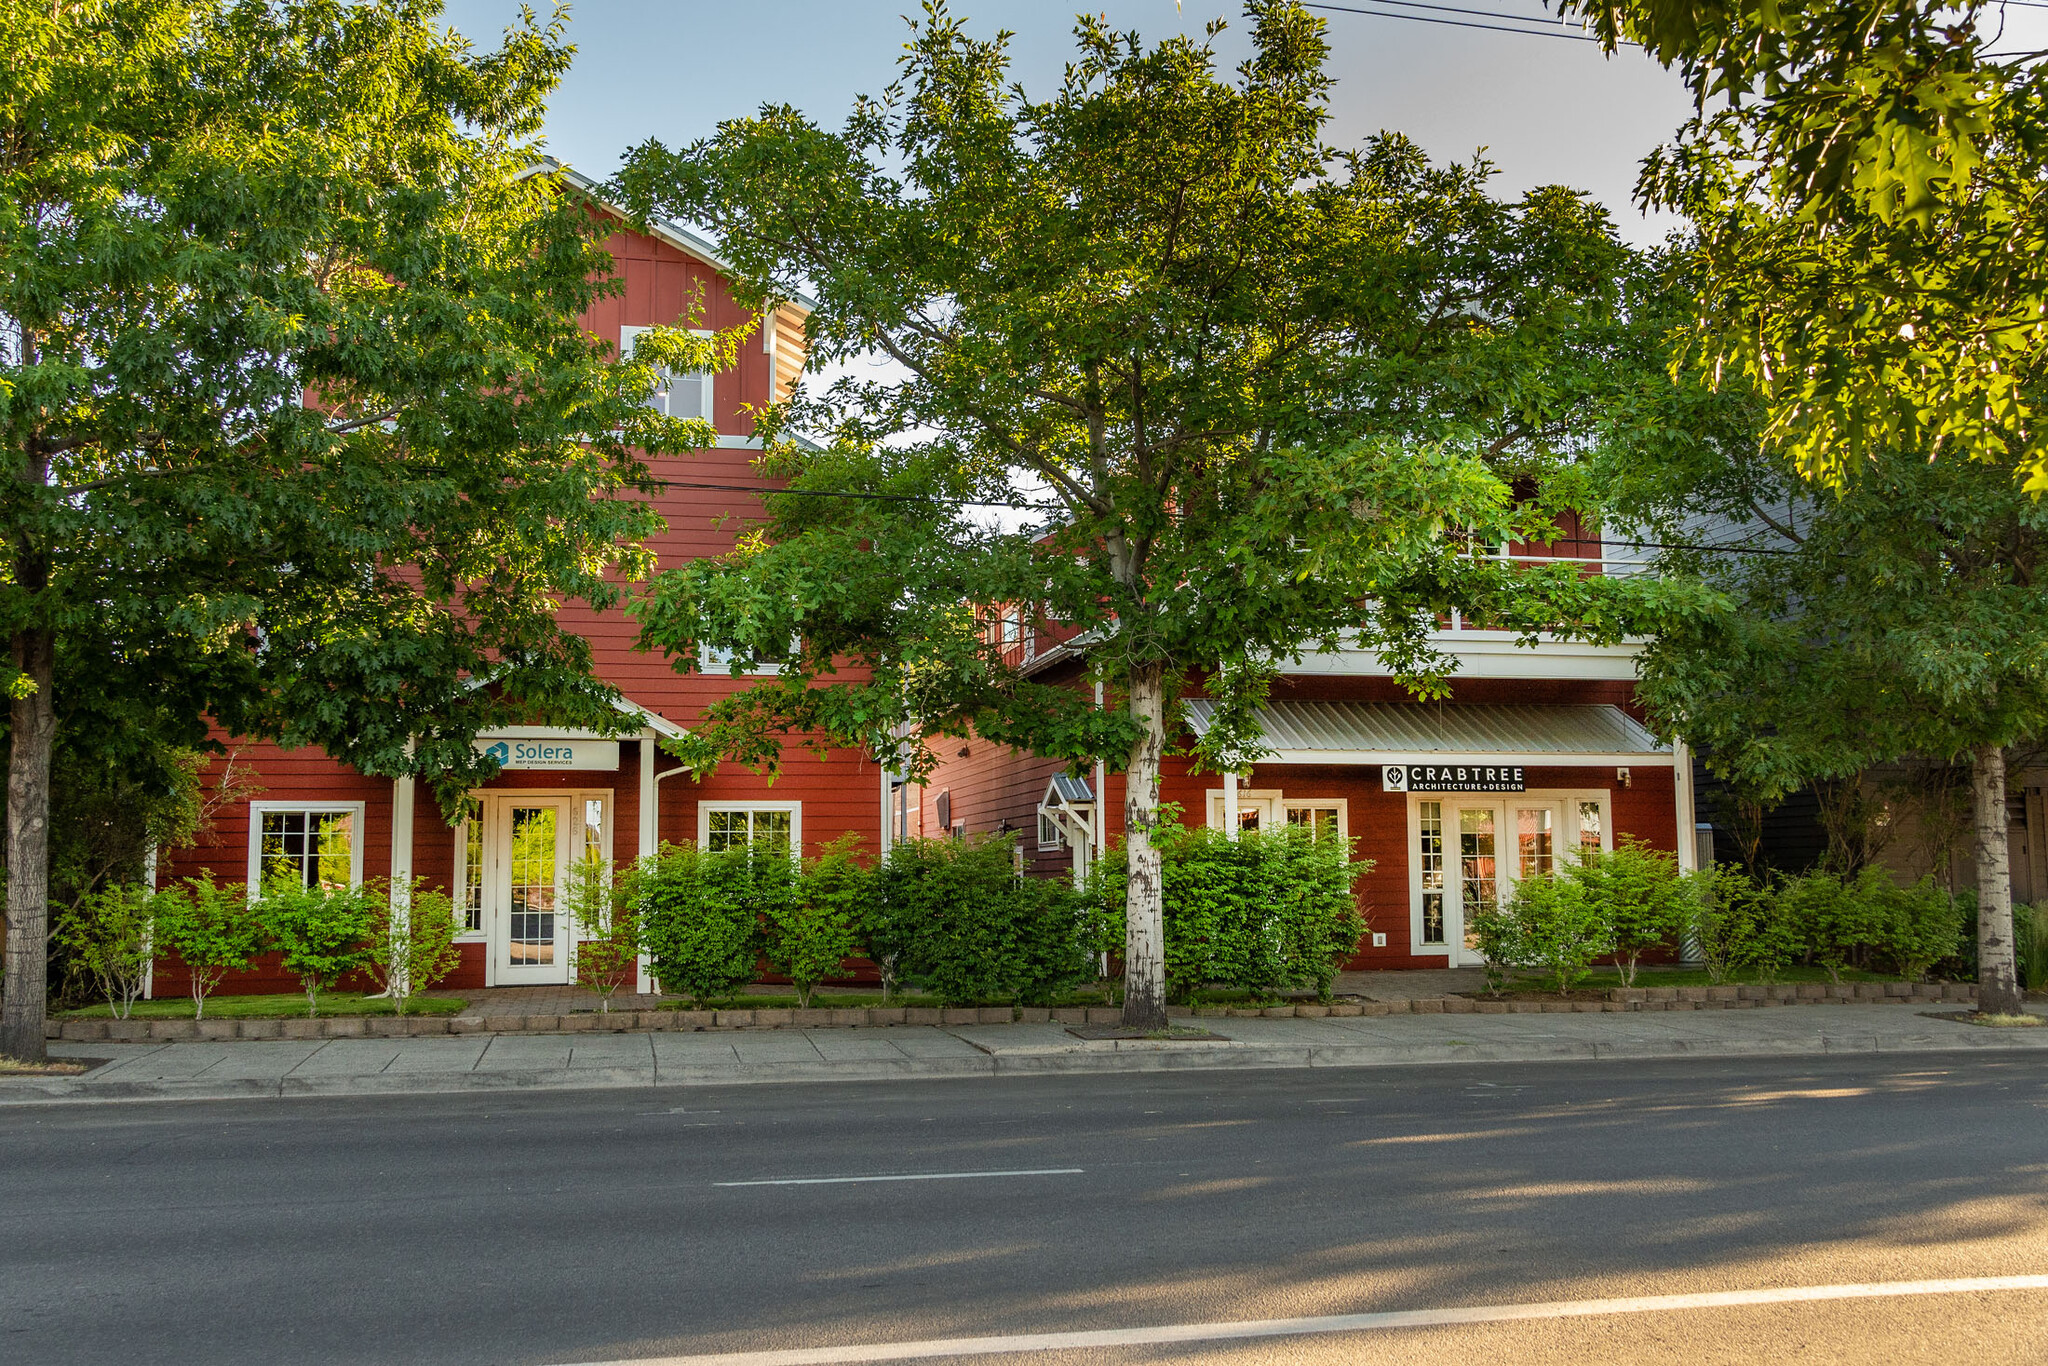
(1554, 922)
(1735, 922)
(110, 934)
(700, 916)
(1637, 892)
(213, 930)
(604, 934)
(961, 923)
(321, 934)
(408, 953)
(1833, 922)
(1268, 912)
(1912, 928)
(2030, 941)
(810, 934)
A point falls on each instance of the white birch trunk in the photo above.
(1144, 919)
(1998, 984)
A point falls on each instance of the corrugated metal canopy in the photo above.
(1067, 791)
(1311, 732)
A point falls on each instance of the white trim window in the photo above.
(1322, 817)
(305, 844)
(1050, 836)
(687, 395)
(469, 870)
(711, 659)
(776, 827)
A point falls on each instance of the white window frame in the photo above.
(461, 879)
(713, 660)
(1048, 826)
(1568, 798)
(1246, 796)
(258, 810)
(1343, 805)
(796, 821)
(629, 338)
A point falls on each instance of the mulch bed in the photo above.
(1971, 1017)
(65, 1067)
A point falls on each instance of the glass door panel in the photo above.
(1535, 841)
(1478, 866)
(536, 837)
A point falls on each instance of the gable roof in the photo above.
(683, 239)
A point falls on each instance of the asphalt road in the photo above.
(594, 1226)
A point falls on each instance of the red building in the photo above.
(1536, 752)
(565, 795)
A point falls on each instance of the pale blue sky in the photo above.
(1549, 110)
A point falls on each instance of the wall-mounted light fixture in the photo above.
(1621, 776)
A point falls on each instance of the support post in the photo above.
(649, 836)
(1681, 787)
(403, 797)
(1230, 807)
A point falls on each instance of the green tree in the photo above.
(1871, 258)
(411, 941)
(605, 926)
(320, 934)
(302, 438)
(1903, 614)
(1264, 393)
(1637, 891)
(214, 931)
(110, 934)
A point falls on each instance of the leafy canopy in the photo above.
(1865, 179)
(301, 430)
(1262, 393)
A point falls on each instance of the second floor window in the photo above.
(685, 395)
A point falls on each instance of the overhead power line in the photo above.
(1461, 23)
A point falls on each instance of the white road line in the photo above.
(1335, 1323)
(914, 1176)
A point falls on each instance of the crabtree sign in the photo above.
(513, 753)
(1452, 777)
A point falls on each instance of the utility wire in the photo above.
(1461, 23)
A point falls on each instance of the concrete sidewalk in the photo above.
(373, 1066)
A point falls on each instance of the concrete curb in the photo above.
(1108, 1056)
(661, 1021)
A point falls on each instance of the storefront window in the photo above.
(761, 829)
(309, 848)
(1431, 856)
(1321, 821)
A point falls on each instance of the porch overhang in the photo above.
(1531, 734)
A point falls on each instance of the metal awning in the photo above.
(1418, 732)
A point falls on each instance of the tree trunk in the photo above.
(34, 721)
(1144, 917)
(1998, 983)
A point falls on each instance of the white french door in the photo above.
(532, 844)
(1470, 852)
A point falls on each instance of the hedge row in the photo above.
(1634, 901)
(953, 918)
